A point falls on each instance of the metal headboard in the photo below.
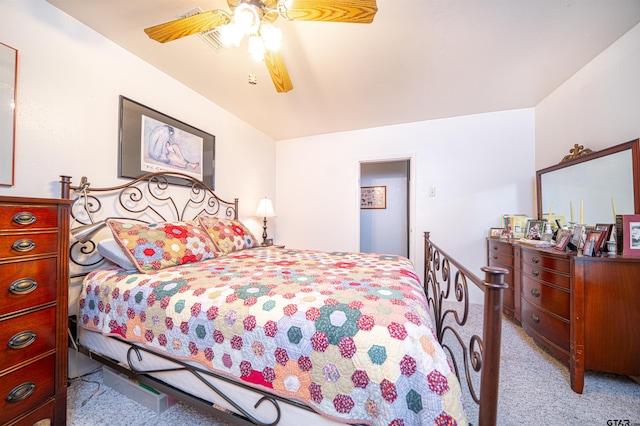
(150, 198)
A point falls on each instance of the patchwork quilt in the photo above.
(348, 334)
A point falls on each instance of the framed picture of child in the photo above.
(534, 229)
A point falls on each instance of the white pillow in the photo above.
(111, 250)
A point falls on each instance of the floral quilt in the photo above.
(348, 334)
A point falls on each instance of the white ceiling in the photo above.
(418, 60)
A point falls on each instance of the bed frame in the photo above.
(151, 199)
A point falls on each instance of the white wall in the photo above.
(481, 166)
(598, 107)
(69, 81)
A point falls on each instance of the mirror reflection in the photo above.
(8, 78)
(598, 186)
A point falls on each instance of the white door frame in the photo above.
(411, 195)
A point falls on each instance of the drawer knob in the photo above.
(24, 245)
(495, 257)
(21, 392)
(22, 339)
(495, 247)
(535, 259)
(535, 272)
(24, 218)
(23, 286)
(535, 318)
(535, 292)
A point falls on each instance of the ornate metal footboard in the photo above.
(443, 276)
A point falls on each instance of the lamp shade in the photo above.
(85, 232)
(265, 208)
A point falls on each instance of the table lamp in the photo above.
(265, 210)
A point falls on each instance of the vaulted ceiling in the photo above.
(418, 60)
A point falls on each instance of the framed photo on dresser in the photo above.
(496, 232)
(534, 229)
(593, 242)
(576, 237)
(607, 228)
(562, 239)
(631, 235)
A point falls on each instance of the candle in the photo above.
(581, 212)
(550, 211)
(613, 206)
(571, 210)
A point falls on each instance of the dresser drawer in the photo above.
(543, 296)
(26, 284)
(28, 244)
(27, 336)
(540, 259)
(19, 217)
(551, 277)
(545, 325)
(500, 259)
(43, 412)
(508, 278)
(29, 387)
(500, 248)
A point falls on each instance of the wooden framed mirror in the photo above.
(8, 84)
(600, 181)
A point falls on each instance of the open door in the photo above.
(384, 226)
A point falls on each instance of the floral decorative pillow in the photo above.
(152, 247)
(228, 234)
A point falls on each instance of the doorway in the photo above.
(386, 230)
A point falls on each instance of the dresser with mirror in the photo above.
(584, 309)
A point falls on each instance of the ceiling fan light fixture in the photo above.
(230, 34)
(256, 48)
(254, 18)
(271, 35)
(247, 18)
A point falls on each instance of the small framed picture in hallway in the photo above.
(373, 197)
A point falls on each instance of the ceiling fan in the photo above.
(255, 18)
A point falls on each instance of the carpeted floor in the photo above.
(534, 390)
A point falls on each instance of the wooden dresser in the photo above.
(505, 255)
(34, 276)
(584, 310)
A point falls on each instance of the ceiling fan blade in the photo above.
(278, 71)
(354, 11)
(187, 26)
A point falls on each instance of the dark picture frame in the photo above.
(631, 235)
(534, 230)
(373, 197)
(576, 237)
(150, 141)
(562, 239)
(497, 232)
(607, 228)
(593, 242)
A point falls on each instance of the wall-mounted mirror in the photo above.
(601, 181)
(8, 84)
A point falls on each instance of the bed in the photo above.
(177, 293)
